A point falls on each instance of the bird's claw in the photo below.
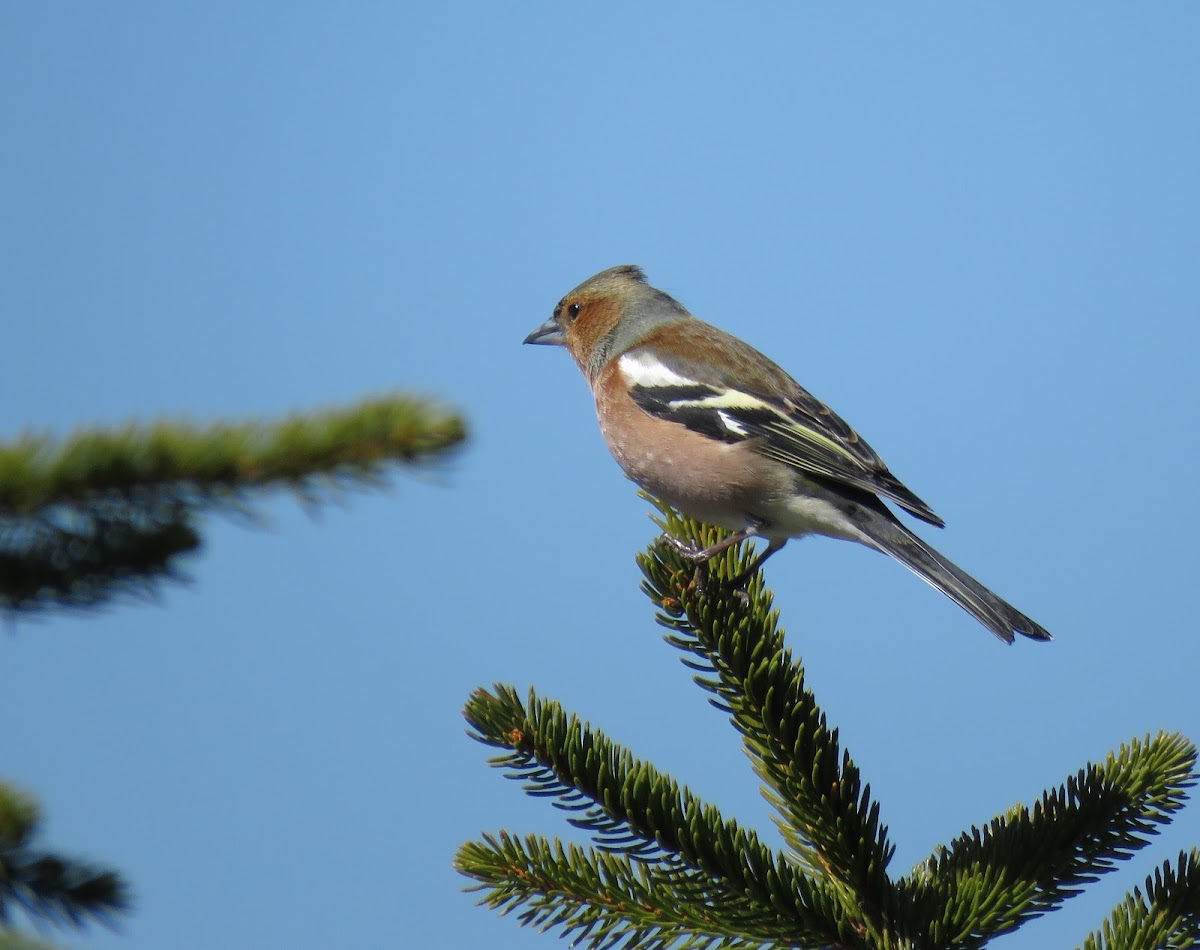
(693, 552)
(701, 556)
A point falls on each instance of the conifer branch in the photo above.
(107, 513)
(600, 899)
(208, 465)
(11, 940)
(733, 639)
(1027, 862)
(50, 889)
(630, 807)
(66, 558)
(1166, 916)
(667, 871)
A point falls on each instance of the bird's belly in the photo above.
(718, 483)
(731, 485)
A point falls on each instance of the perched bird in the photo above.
(712, 427)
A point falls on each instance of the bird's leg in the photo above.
(775, 544)
(700, 555)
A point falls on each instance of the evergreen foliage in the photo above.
(16, 941)
(47, 886)
(1166, 915)
(665, 870)
(106, 513)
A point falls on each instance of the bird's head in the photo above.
(605, 316)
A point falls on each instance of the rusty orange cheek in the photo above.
(595, 321)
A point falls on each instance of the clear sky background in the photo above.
(973, 230)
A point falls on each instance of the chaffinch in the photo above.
(713, 428)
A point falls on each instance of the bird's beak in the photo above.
(548, 334)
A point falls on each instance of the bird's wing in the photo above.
(754, 399)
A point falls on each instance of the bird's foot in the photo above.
(692, 552)
(701, 557)
(687, 549)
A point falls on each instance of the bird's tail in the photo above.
(1002, 618)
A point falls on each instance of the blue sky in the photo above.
(973, 230)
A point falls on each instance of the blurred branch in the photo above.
(106, 513)
(17, 941)
(68, 558)
(210, 464)
(49, 888)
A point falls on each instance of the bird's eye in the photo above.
(573, 311)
